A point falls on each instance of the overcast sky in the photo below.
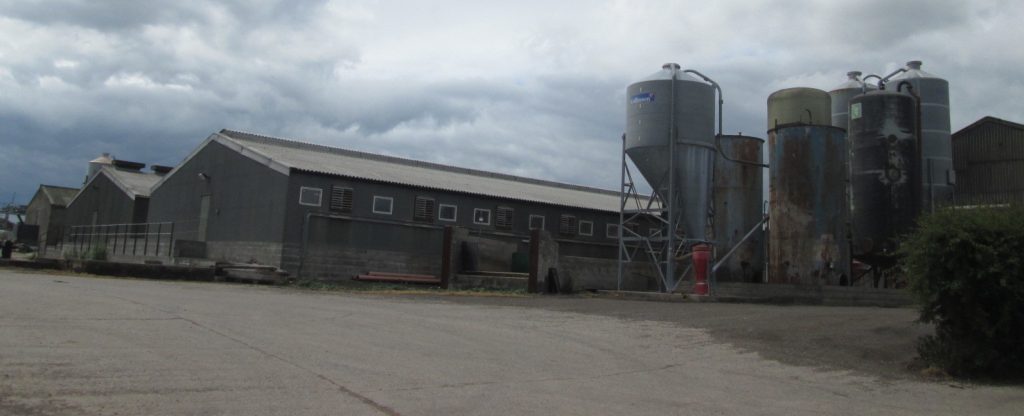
(531, 88)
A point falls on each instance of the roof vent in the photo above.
(160, 169)
(127, 165)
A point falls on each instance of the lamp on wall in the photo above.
(204, 176)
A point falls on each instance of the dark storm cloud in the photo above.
(117, 15)
(533, 89)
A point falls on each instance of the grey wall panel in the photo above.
(989, 160)
(246, 197)
(106, 200)
(404, 200)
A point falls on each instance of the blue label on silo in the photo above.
(644, 97)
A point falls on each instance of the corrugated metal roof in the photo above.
(133, 182)
(349, 163)
(58, 195)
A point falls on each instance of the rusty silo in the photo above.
(739, 205)
(808, 212)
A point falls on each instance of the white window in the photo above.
(536, 222)
(481, 216)
(447, 212)
(383, 205)
(611, 231)
(310, 196)
(586, 228)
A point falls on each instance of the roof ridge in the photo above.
(984, 119)
(409, 162)
(43, 185)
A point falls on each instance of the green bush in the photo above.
(966, 269)
(98, 253)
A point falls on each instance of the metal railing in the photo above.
(153, 239)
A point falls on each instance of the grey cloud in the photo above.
(554, 110)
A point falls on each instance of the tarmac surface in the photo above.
(73, 345)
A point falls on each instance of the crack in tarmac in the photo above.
(364, 399)
(539, 380)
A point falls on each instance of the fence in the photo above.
(154, 239)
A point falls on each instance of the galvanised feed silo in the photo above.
(937, 176)
(841, 96)
(739, 205)
(808, 211)
(671, 110)
(885, 171)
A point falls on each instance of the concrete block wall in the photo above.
(259, 252)
(494, 253)
(587, 273)
(342, 263)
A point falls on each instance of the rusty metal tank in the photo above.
(799, 106)
(885, 171)
(808, 212)
(739, 201)
(937, 175)
(841, 96)
(670, 102)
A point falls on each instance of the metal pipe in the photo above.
(884, 80)
(721, 101)
(740, 243)
(864, 83)
(622, 207)
(919, 138)
(669, 261)
(717, 88)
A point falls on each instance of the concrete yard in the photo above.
(73, 345)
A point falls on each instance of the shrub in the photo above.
(98, 253)
(966, 270)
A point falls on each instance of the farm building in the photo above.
(46, 210)
(988, 156)
(329, 213)
(115, 193)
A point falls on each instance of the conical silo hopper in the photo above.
(671, 121)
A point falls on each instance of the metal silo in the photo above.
(661, 118)
(937, 174)
(808, 211)
(885, 171)
(739, 202)
(841, 96)
(802, 106)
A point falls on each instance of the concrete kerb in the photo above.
(781, 296)
(106, 268)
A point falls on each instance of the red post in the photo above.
(701, 257)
